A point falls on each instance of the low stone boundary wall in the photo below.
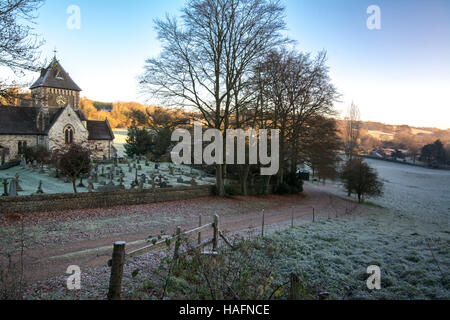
(61, 202)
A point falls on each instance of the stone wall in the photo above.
(12, 143)
(100, 148)
(61, 202)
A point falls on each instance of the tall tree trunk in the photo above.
(74, 183)
(243, 177)
(220, 187)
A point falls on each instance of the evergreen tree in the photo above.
(139, 141)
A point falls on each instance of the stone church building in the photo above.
(53, 120)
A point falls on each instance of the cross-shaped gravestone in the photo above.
(5, 188)
(39, 190)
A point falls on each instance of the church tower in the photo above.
(53, 90)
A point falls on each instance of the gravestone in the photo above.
(91, 185)
(19, 188)
(164, 185)
(39, 190)
(13, 188)
(5, 188)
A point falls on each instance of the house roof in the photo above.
(54, 76)
(18, 120)
(99, 130)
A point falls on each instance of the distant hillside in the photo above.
(376, 134)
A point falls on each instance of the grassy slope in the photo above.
(335, 254)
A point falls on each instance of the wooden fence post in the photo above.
(295, 288)
(177, 243)
(263, 222)
(200, 233)
(216, 233)
(115, 282)
(292, 218)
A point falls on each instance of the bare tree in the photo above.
(352, 131)
(18, 44)
(73, 162)
(207, 57)
(295, 88)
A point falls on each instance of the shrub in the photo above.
(292, 184)
(39, 153)
(242, 273)
(233, 189)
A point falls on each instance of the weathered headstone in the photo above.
(19, 188)
(13, 188)
(39, 190)
(91, 185)
(5, 188)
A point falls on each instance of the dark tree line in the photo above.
(434, 154)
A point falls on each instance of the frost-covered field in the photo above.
(410, 240)
(120, 136)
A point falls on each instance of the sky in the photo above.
(398, 74)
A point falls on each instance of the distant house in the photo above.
(378, 153)
(54, 120)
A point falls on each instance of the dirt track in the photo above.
(85, 237)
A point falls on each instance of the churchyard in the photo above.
(33, 178)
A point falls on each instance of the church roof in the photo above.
(18, 120)
(22, 120)
(99, 130)
(54, 76)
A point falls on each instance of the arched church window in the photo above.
(68, 135)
